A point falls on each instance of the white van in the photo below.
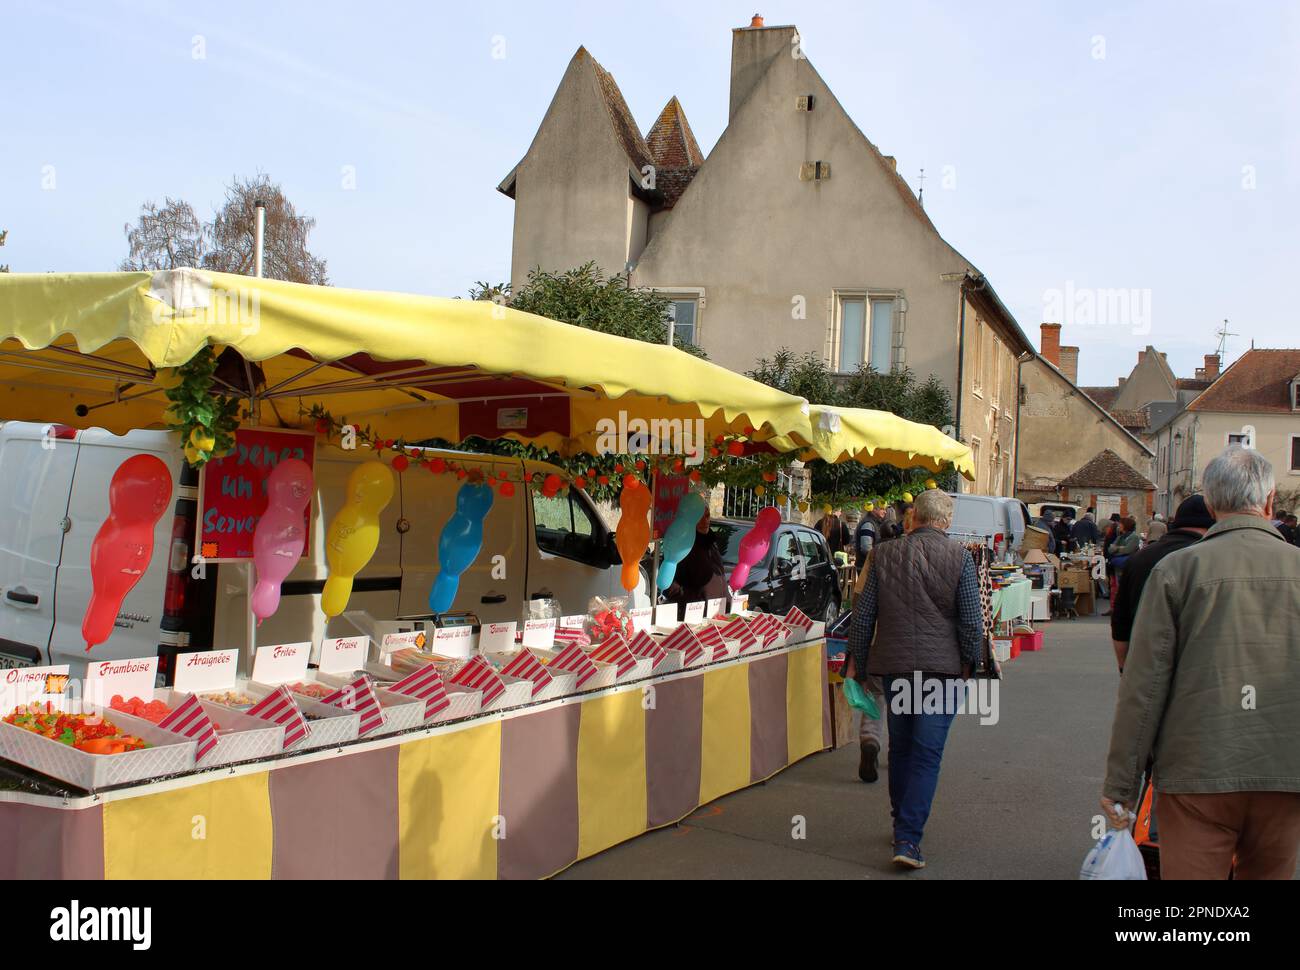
(998, 520)
(54, 497)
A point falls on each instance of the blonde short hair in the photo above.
(932, 507)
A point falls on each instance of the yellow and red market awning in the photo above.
(85, 350)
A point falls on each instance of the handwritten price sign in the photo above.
(233, 490)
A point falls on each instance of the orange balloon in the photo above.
(633, 534)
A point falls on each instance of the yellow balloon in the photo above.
(907, 496)
(931, 483)
(353, 536)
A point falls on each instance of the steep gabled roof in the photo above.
(1258, 382)
(620, 119)
(638, 152)
(675, 152)
(1107, 470)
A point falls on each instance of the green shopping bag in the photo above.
(860, 699)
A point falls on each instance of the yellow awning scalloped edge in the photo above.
(94, 340)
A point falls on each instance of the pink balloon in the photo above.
(753, 546)
(280, 533)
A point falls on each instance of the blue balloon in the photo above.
(459, 544)
(679, 537)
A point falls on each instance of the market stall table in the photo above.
(519, 794)
(1011, 602)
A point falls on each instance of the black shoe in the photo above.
(867, 769)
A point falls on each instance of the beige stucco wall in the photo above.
(572, 188)
(1061, 431)
(766, 246)
(1205, 436)
(1148, 382)
(988, 408)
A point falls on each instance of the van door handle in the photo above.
(493, 598)
(31, 599)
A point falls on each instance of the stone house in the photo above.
(794, 231)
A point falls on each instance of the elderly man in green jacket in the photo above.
(1210, 693)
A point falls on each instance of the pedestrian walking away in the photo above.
(1191, 522)
(1208, 692)
(919, 627)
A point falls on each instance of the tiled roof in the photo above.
(1107, 470)
(1105, 396)
(675, 152)
(1259, 381)
(1192, 384)
(638, 152)
(1131, 419)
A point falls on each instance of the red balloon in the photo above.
(138, 496)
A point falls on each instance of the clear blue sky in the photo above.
(1105, 146)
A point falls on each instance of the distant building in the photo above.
(1255, 403)
(795, 232)
(1070, 443)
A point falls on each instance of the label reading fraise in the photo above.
(281, 663)
(343, 655)
(206, 672)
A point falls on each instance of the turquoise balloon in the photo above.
(679, 537)
(459, 544)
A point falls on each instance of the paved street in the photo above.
(1015, 799)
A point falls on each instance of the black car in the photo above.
(798, 570)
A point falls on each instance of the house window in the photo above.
(684, 314)
(1239, 439)
(1295, 454)
(1295, 395)
(975, 453)
(866, 332)
(977, 385)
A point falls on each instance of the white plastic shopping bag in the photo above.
(1115, 856)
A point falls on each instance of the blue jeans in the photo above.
(916, 742)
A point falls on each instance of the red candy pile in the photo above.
(153, 711)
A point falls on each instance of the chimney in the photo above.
(892, 161)
(1142, 355)
(753, 49)
(1070, 363)
(1211, 367)
(1050, 344)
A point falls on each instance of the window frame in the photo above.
(591, 516)
(977, 383)
(868, 296)
(1294, 455)
(685, 294)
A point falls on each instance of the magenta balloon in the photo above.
(753, 546)
(280, 533)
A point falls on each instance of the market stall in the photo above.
(517, 794)
(567, 745)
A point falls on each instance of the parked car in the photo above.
(54, 497)
(798, 570)
(1057, 509)
(996, 518)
